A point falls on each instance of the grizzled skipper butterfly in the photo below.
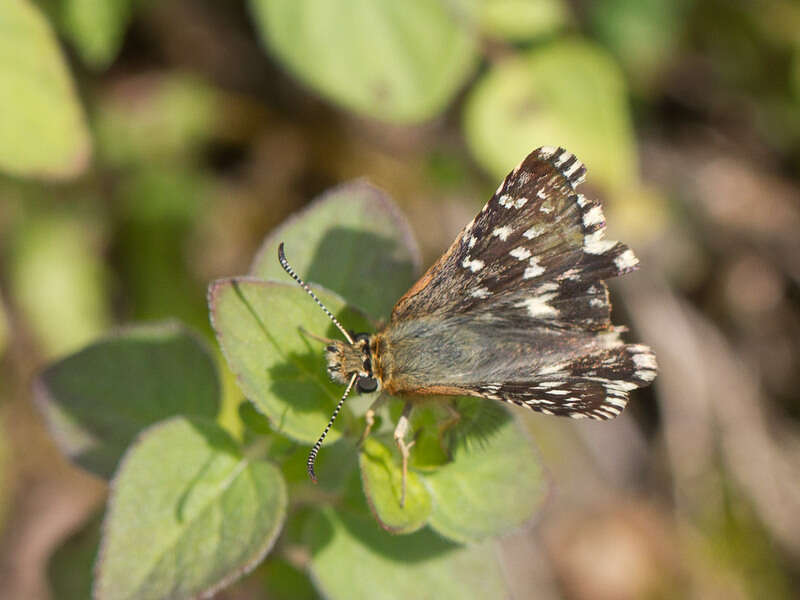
(516, 310)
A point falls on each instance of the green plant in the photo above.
(192, 506)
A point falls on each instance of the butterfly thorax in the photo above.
(345, 360)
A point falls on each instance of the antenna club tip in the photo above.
(312, 475)
(281, 255)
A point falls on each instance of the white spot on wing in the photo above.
(644, 359)
(546, 151)
(472, 241)
(473, 265)
(596, 303)
(626, 260)
(502, 232)
(571, 171)
(562, 158)
(520, 202)
(550, 286)
(551, 384)
(534, 270)
(534, 231)
(593, 216)
(520, 253)
(595, 244)
(540, 194)
(539, 308)
(480, 293)
(505, 201)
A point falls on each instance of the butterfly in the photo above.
(516, 310)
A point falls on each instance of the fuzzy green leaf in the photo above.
(352, 559)
(521, 20)
(188, 513)
(492, 486)
(42, 128)
(96, 28)
(97, 400)
(279, 369)
(382, 477)
(352, 240)
(395, 61)
(568, 93)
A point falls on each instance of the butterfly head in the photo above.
(346, 360)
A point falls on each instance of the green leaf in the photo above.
(642, 34)
(382, 476)
(492, 486)
(97, 400)
(188, 514)
(156, 119)
(354, 241)
(352, 559)
(284, 581)
(568, 93)
(42, 127)
(96, 28)
(400, 62)
(70, 567)
(60, 253)
(280, 370)
(521, 20)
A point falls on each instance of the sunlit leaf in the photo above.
(388, 60)
(353, 559)
(382, 476)
(568, 93)
(280, 370)
(42, 128)
(58, 279)
(354, 241)
(519, 20)
(188, 513)
(154, 118)
(642, 34)
(97, 400)
(491, 487)
(96, 28)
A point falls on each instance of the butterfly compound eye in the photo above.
(367, 385)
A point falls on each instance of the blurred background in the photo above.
(147, 147)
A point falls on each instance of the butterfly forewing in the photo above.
(517, 303)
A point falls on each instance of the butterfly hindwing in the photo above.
(537, 250)
(592, 386)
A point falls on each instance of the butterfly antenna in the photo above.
(296, 277)
(312, 457)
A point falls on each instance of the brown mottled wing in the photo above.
(536, 251)
(523, 283)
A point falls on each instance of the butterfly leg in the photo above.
(370, 416)
(400, 433)
(452, 420)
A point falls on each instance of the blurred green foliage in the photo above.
(147, 147)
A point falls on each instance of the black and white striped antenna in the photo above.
(296, 277)
(312, 457)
